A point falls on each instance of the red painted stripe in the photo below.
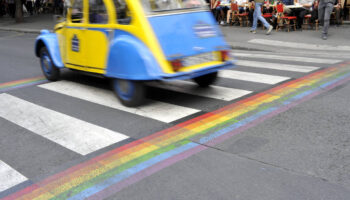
(21, 81)
(21, 192)
(155, 135)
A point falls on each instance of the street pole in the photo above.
(19, 11)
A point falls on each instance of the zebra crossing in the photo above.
(9, 177)
(84, 137)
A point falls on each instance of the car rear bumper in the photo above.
(198, 72)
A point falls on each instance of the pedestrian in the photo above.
(325, 8)
(257, 16)
(11, 8)
(304, 10)
(222, 6)
(29, 6)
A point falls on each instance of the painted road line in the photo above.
(276, 66)
(74, 134)
(215, 92)
(252, 77)
(288, 58)
(9, 177)
(4, 87)
(298, 45)
(112, 171)
(160, 111)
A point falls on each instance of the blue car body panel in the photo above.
(51, 42)
(187, 34)
(130, 59)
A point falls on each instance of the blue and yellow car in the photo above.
(135, 41)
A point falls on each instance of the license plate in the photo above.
(198, 59)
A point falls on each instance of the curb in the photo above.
(21, 30)
(246, 48)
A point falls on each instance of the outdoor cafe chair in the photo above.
(242, 17)
(284, 20)
(267, 16)
(307, 22)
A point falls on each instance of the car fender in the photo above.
(129, 58)
(50, 41)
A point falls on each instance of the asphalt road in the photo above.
(300, 153)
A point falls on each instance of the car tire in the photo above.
(206, 80)
(130, 93)
(49, 69)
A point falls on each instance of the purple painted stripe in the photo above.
(224, 137)
(149, 171)
(329, 87)
(259, 120)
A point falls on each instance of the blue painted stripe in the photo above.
(131, 171)
(237, 125)
(267, 111)
(334, 81)
(119, 177)
(300, 96)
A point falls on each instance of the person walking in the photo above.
(325, 8)
(257, 15)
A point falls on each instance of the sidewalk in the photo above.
(31, 24)
(238, 37)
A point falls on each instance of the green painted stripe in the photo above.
(117, 170)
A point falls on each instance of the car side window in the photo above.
(97, 12)
(77, 11)
(123, 13)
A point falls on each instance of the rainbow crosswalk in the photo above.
(112, 171)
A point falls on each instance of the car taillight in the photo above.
(176, 64)
(225, 55)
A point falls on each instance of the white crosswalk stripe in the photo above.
(288, 58)
(298, 45)
(215, 92)
(276, 66)
(252, 77)
(9, 177)
(74, 134)
(154, 109)
(83, 137)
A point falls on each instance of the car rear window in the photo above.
(160, 6)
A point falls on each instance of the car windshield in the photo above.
(153, 6)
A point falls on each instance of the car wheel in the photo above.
(206, 80)
(130, 93)
(49, 69)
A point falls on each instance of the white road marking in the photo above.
(77, 135)
(288, 58)
(9, 177)
(276, 66)
(160, 111)
(252, 77)
(215, 92)
(297, 45)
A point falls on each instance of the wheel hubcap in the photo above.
(124, 88)
(46, 64)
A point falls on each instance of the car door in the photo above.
(97, 33)
(75, 41)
